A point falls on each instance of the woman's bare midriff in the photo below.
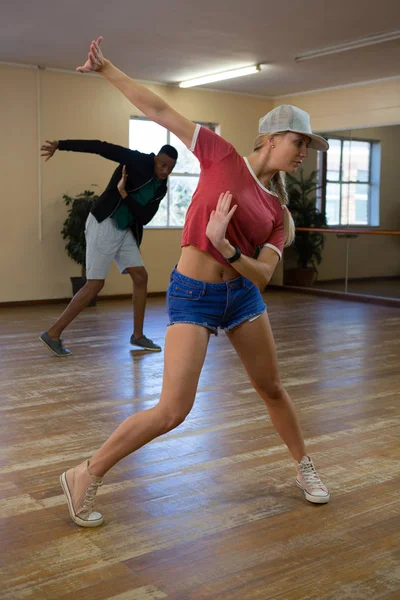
(200, 265)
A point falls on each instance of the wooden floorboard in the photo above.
(211, 510)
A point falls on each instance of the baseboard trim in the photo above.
(359, 279)
(283, 288)
(381, 300)
(40, 302)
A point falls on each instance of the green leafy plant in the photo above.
(74, 226)
(302, 204)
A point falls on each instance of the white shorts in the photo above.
(105, 243)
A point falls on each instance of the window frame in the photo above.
(212, 126)
(323, 181)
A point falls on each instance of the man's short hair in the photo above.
(169, 151)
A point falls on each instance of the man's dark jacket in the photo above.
(139, 169)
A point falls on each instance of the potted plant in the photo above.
(74, 231)
(307, 246)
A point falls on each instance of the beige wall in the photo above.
(34, 264)
(372, 255)
(363, 111)
(389, 138)
(367, 105)
(383, 252)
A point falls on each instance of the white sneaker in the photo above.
(308, 480)
(80, 488)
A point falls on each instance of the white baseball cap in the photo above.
(290, 118)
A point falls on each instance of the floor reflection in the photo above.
(387, 288)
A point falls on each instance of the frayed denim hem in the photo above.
(213, 330)
(246, 318)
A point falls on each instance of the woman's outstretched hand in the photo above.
(219, 221)
(95, 61)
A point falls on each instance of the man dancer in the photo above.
(114, 229)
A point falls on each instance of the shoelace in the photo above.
(88, 502)
(146, 341)
(60, 344)
(310, 475)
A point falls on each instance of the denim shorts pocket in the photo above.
(178, 289)
(248, 284)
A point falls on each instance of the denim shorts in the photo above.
(213, 305)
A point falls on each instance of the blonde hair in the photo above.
(278, 186)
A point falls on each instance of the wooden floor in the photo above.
(211, 510)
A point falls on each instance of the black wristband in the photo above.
(235, 257)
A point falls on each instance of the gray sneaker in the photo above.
(56, 346)
(145, 344)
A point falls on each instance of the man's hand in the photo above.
(122, 183)
(48, 149)
(95, 61)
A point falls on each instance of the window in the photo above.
(147, 136)
(349, 179)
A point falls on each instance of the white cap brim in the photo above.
(317, 142)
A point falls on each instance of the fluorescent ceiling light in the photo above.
(220, 76)
(360, 43)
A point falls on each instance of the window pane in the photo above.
(333, 160)
(160, 218)
(355, 204)
(187, 162)
(345, 208)
(361, 204)
(146, 136)
(356, 160)
(332, 203)
(181, 192)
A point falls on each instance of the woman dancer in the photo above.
(229, 253)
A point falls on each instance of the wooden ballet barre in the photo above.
(357, 231)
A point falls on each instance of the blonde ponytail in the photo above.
(279, 187)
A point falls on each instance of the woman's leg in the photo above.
(185, 351)
(254, 343)
(184, 354)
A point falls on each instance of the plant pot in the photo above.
(300, 276)
(77, 284)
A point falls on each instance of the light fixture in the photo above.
(360, 43)
(220, 76)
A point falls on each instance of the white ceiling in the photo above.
(171, 40)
